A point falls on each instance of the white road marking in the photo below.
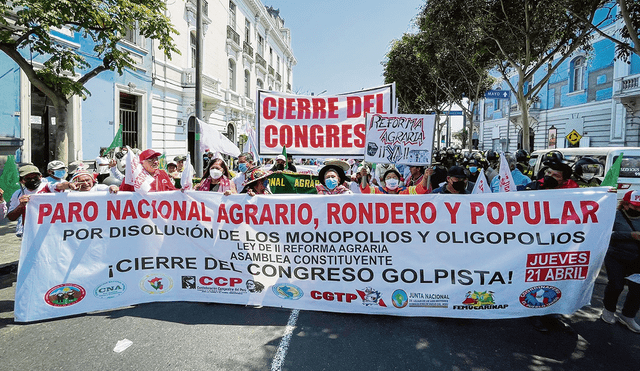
(278, 359)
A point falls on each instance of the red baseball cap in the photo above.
(632, 197)
(148, 153)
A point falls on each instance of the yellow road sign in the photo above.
(574, 137)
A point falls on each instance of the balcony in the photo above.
(247, 50)
(271, 71)
(233, 38)
(192, 9)
(261, 62)
(278, 77)
(208, 83)
(288, 88)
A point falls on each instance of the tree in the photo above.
(25, 30)
(523, 37)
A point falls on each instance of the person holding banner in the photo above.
(30, 183)
(256, 182)
(147, 177)
(217, 179)
(391, 179)
(557, 175)
(84, 181)
(333, 178)
(456, 182)
(623, 260)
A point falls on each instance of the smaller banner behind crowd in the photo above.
(502, 255)
(399, 139)
(318, 126)
(293, 183)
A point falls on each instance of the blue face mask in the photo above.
(242, 167)
(59, 173)
(473, 169)
(331, 183)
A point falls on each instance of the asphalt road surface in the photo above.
(199, 336)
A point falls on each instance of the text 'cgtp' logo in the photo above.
(480, 300)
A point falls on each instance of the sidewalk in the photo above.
(9, 246)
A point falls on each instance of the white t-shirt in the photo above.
(15, 202)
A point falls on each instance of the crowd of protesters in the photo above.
(452, 172)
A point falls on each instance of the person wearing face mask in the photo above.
(557, 175)
(392, 186)
(623, 260)
(519, 179)
(245, 162)
(456, 182)
(474, 171)
(57, 172)
(333, 178)
(30, 183)
(256, 182)
(216, 179)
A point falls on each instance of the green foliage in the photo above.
(26, 27)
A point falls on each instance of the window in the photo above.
(129, 119)
(260, 84)
(130, 34)
(232, 75)
(232, 15)
(247, 84)
(231, 133)
(270, 57)
(278, 63)
(260, 45)
(247, 31)
(193, 49)
(577, 74)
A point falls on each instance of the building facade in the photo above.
(591, 100)
(245, 47)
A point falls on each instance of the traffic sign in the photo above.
(574, 137)
(498, 94)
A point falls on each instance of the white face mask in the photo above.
(216, 174)
(391, 183)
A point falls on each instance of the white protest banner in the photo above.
(318, 126)
(481, 186)
(399, 139)
(502, 255)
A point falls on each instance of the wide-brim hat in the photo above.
(56, 165)
(254, 174)
(392, 170)
(339, 163)
(337, 169)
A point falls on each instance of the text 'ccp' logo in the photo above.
(156, 283)
(287, 291)
(540, 296)
(64, 295)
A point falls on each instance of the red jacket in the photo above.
(162, 182)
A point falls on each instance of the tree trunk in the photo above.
(62, 138)
(524, 110)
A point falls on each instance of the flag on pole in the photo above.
(9, 178)
(611, 178)
(214, 141)
(284, 151)
(117, 141)
(186, 180)
(507, 184)
(482, 186)
(135, 174)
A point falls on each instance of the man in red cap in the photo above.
(161, 180)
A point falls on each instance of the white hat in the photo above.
(281, 157)
(54, 165)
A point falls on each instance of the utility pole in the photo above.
(198, 155)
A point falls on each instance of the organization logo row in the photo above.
(540, 296)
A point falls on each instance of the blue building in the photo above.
(591, 100)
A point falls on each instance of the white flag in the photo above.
(186, 181)
(482, 186)
(135, 175)
(506, 179)
(214, 141)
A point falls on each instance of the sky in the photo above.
(339, 44)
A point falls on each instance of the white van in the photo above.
(629, 178)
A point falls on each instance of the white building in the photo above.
(245, 48)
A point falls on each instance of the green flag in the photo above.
(284, 151)
(9, 178)
(117, 141)
(162, 162)
(611, 179)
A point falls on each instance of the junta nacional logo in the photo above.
(540, 296)
(64, 295)
(156, 283)
(287, 291)
(399, 298)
